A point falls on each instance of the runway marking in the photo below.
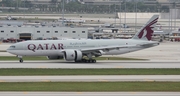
(101, 80)
(148, 80)
(2, 81)
(25, 92)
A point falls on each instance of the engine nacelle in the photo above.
(54, 57)
(71, 55)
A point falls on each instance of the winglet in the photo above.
(147, 30)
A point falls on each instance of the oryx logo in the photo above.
(147, 31)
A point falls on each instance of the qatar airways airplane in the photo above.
(83, 50)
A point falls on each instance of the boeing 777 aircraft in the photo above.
(76, 50)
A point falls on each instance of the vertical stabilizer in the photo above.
(147, 30)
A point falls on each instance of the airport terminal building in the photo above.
(44, 32)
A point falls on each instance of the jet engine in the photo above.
(71, 55)
(54, 57)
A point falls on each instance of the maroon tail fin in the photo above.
(147, 31)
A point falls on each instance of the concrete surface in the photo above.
(91, 78)
(99, 64)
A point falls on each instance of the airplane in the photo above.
(84, 50)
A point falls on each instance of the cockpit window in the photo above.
(12, 46)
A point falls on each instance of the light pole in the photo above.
(109, 8)
(171, 21)
(24, 8)
(17, 5)
(115, 15)
(63, 13)
(175, 15)
(124, 15)
(120, 15)
(169, 18)
(135, 3)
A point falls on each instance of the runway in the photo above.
(91, 78)
(99, 64)
(89, 93)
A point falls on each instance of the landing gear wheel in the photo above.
(83, 60)
(21, 60)
(90, 61)
(93, 61)
(87, 61)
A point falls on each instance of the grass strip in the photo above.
(91, 86)
(40, 71)
(45, 58)
(2, 50)
(24, 58)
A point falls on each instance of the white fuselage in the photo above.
(54, 47)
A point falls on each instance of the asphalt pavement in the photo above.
(91, 78)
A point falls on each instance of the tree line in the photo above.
(77, 7)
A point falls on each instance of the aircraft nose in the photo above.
(8, 50)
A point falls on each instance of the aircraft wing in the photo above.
(107, 48)
(149, 44)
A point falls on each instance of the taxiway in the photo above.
(99, 64)
(91, 78)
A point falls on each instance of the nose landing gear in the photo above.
(20, 59)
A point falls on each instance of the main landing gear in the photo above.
(89, 60)
(20, 59)
(86, 61)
